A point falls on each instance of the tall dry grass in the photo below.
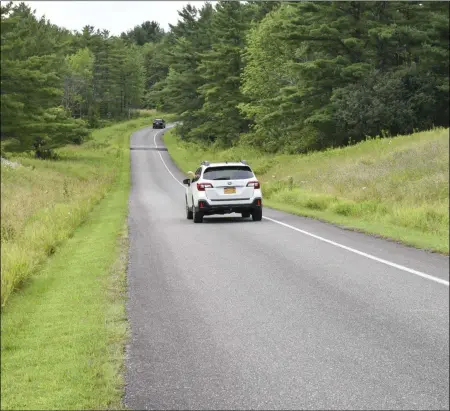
(403, 180)
(44, 201)
(398, 186)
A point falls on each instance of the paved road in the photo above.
(234, 314)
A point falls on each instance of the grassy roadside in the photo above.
(396, 188)
(44, 201)
(62, 335)
(63, 329)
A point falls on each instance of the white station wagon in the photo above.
(223, 188)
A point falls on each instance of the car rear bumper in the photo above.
(208, 209)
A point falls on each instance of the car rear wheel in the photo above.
(257, 214)
(245, 215)
(197, 216)
(189, 214)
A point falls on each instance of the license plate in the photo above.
(229, 190)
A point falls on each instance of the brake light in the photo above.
(202, 186)
(254, 184)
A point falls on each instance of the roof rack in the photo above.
(244, 162)
(205, 163)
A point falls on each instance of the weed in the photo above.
(44, 201)
(63, 335)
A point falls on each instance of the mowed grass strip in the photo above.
(396, 188)
(64, 329)
(63, 334)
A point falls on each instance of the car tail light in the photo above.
(254, 184)
(202, 186)
(258, 202)
(201, 204)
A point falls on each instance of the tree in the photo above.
(179, 92)
(31, 82)
(78, 82)
(267, 70)
(156, 68)
(147, 32)
(220, 70)
(318, 74)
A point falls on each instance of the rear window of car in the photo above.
(228, 173)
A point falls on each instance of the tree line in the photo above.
(285, 77)
(303, 76)
(56, 85)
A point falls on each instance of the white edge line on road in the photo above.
(372, 257)
(165, 165)
(353, 250)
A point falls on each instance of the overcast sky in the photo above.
(115, 16)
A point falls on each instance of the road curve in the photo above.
(236, 314)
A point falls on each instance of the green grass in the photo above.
(396, 188)
(43, 202)
(62, 335)
(64, 253)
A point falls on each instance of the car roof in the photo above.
(225, 164)
(157, 119)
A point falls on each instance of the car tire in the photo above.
(245, 215)
(257, 214)
(189, 214)
(197, 216)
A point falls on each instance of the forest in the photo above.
(288, 77)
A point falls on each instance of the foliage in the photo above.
(147, 32)
(295, 77)
(44, 201)
(56, 84)
(318, 74)
(286, 76)
(63, 334)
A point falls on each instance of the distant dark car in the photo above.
(159, 123)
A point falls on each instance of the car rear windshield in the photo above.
(228, 173)
(158, 119)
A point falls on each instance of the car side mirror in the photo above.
(187, 181)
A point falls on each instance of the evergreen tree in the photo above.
(220, 69)
(283, 76)
(147, 32)
(191, 38)
(31, 81)
(345, 70)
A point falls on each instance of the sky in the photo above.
(115, 16)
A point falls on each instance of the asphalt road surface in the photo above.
(286, 313)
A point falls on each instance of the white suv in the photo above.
(223, 188)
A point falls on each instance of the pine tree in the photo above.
(180, 91)
(324, 72)
(32, 73)
(147, 32)
(220, 69)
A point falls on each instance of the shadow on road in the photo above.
(218, 220)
